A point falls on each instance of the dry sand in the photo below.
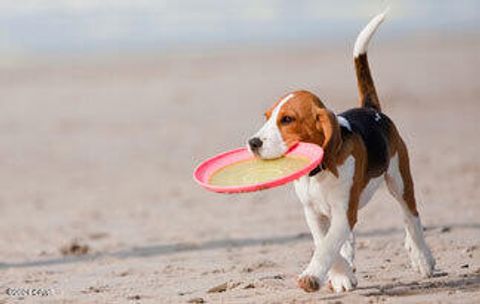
(96, 159)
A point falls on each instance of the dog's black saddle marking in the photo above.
(373, 127)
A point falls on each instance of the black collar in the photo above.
(317, 170)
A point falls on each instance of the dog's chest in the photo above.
(325, 190)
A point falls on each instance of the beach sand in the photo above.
(98, 205)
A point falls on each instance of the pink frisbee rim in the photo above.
(206, 169)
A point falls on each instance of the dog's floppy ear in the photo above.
(327, 124)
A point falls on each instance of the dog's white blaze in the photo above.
(273, 144)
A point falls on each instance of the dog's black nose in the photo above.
(255, 143)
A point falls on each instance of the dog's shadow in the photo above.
(171, 249)
(465, 283)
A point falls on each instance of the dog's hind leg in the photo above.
(399, 183)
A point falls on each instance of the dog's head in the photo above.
(299, 116)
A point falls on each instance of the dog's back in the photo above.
(374, 128)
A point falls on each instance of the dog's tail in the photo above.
(366, 87)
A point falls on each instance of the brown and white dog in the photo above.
(362, 150)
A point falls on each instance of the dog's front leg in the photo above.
(326, 254)
(317, 222)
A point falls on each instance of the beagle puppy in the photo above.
(362, 149)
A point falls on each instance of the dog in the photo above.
(362, 149)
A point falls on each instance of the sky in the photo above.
(92, 26)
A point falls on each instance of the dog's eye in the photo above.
(286, 120)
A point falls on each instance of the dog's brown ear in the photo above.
(327, 124)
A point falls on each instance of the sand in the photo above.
(97, 203)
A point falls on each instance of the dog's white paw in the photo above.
(341, 281)
(309, 283)
(421, 259)
(312, 278)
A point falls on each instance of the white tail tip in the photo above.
(361, 44)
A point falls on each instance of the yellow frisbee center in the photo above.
(255, 171)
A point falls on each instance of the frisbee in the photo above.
(240, 171)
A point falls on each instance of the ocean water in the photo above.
(91, 26)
